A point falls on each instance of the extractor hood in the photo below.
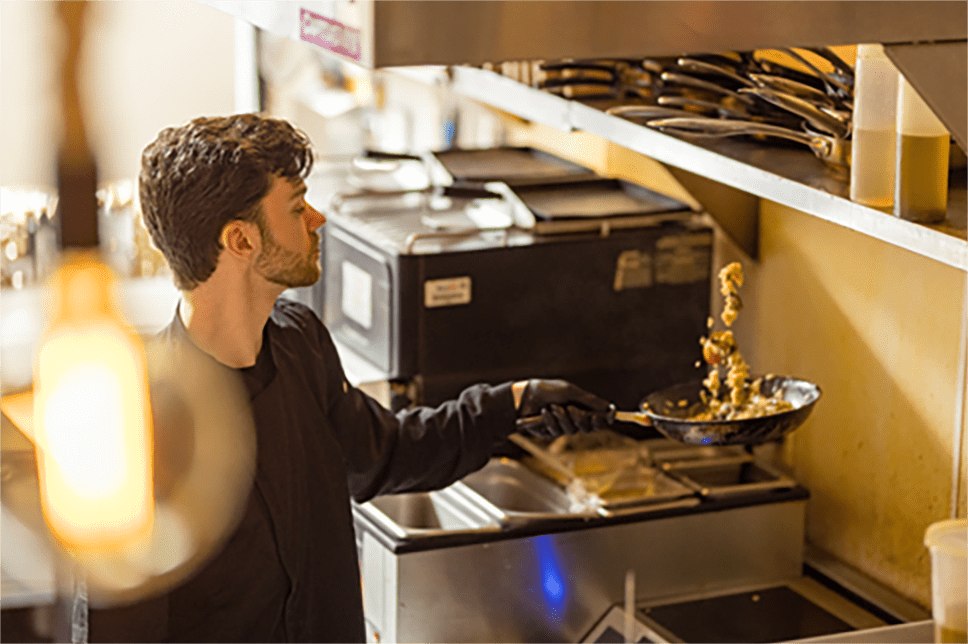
(377, 33)
(926, 39)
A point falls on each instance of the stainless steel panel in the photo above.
(429, 32)
(938, 71)
(554, 587)
(422, 32)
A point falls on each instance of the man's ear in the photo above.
(238, 239)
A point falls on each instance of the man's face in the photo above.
(290, 245)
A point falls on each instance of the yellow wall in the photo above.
(879, 328)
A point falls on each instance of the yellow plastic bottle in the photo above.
(921, 174)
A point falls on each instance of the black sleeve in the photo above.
(144, 621)
(418, 449)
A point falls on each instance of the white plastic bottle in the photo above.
(923, 145)
(874, 130)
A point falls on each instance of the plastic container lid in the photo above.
(872, 50)
(949, 537)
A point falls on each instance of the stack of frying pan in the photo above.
(718, 95)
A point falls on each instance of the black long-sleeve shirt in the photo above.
(290, 572)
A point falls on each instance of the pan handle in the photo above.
(831, 82)
(636, 417)
(832, 150)
(817, 118)
(700, 126)
(792, 87)
(691, 81)
(646, 111)
(702, 67)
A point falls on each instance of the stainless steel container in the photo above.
(425, 514)
(550, 574)
(517, 495)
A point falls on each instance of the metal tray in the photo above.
(515, 166)
(731, 478)
(647, 492)
(604, 198)
(416, 515)
(517, 495)
(667, 454)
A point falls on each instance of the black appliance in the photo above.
(413, 286)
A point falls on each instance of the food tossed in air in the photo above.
(741, 397)
(728, 407)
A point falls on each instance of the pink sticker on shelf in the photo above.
(330, 35)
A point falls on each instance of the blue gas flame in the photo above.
(554, 590)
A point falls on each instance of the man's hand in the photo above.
(564, 408)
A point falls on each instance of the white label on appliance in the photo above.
(633, 270)
(447, 292)
(683, 259)
(357, 294)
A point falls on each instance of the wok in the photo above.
(664, 412)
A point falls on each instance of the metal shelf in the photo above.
(789, 176)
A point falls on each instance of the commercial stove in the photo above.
(711, 550)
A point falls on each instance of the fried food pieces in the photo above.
(741, 398)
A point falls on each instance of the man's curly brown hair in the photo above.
(198, 177)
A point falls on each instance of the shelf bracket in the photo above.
(736, 211)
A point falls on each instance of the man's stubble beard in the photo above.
(285, 267)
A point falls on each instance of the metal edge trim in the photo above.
(961, 392)
(864, 587)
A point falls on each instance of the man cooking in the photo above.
(224, 200)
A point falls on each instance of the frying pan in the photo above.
(816, 118)
(832, 150)
(663, 411)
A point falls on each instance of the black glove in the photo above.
(563, 408)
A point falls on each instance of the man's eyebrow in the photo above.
(298, 194)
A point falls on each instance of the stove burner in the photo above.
(769, 615)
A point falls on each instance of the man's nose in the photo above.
(315, 219)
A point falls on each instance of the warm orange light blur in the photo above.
(92, 416)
